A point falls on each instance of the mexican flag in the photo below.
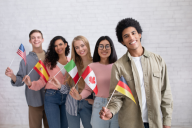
(71, 68)
(90, 79)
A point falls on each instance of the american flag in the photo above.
(22, 53)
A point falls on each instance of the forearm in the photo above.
(13, 78)
(37, 85)
(86, 92)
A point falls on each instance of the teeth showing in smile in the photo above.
(133, 42)
(82, 52)
(104, 53)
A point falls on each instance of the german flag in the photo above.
(123, 88)
(42, 71)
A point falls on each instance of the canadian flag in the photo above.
(90, 79)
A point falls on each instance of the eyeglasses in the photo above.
(101, 47)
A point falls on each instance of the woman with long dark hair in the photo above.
(54, 102)
(76, 110)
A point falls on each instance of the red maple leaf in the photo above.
(92, 79)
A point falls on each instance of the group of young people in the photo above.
(61, 105)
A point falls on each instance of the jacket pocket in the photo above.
(156, 81)
(157, 74)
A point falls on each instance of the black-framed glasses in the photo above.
(107, 47)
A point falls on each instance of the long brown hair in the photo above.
(79, 62)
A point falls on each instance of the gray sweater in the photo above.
(34, 98)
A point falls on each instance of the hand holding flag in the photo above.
(105, 114)
(27, 80)
(123, 88)
(55, 82)
(75, 94)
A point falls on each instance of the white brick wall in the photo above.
(167, 31)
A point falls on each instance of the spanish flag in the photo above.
(123, 88)
(42, 71)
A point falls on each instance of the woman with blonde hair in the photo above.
(76, 110)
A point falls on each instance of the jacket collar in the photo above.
(145, 54)
(33, 53)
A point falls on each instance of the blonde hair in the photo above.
(79, 62)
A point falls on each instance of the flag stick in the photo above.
(55, 75)
(11, 62)
(77, 81)
(28, 75)
(110, 99)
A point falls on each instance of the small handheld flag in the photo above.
(71, 68)
(21, 52)
(123, 88)
(90, 79)
(42, 71)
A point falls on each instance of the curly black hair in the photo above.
(51, 57)
(125, 23)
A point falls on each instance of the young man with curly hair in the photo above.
(34, 98)
(146, 75)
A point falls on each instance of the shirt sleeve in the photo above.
(166, 100)
(117, 98)
(20, 74)
(86, 92)
(37, 85)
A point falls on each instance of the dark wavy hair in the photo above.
(51, 57)
(112, 57)
(125, 23)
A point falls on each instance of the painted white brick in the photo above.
(167, 32)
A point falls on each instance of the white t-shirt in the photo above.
(61, 66)
(137, 61)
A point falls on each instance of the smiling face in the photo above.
(80, 48)
(36, 40)
(60, 47)
(104, 49)
(131, 38)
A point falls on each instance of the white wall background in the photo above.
(167, 26)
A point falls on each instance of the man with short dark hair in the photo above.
(35, 99)
(146, 75)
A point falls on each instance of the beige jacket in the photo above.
(157, 88)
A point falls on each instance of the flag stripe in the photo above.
(76, 78)
(95, 90)
(69, 66)
(40, 73)
(125, 86)
(22, 54)
(73, 72)
(86, 72)
(44, 67)
(125, 92)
